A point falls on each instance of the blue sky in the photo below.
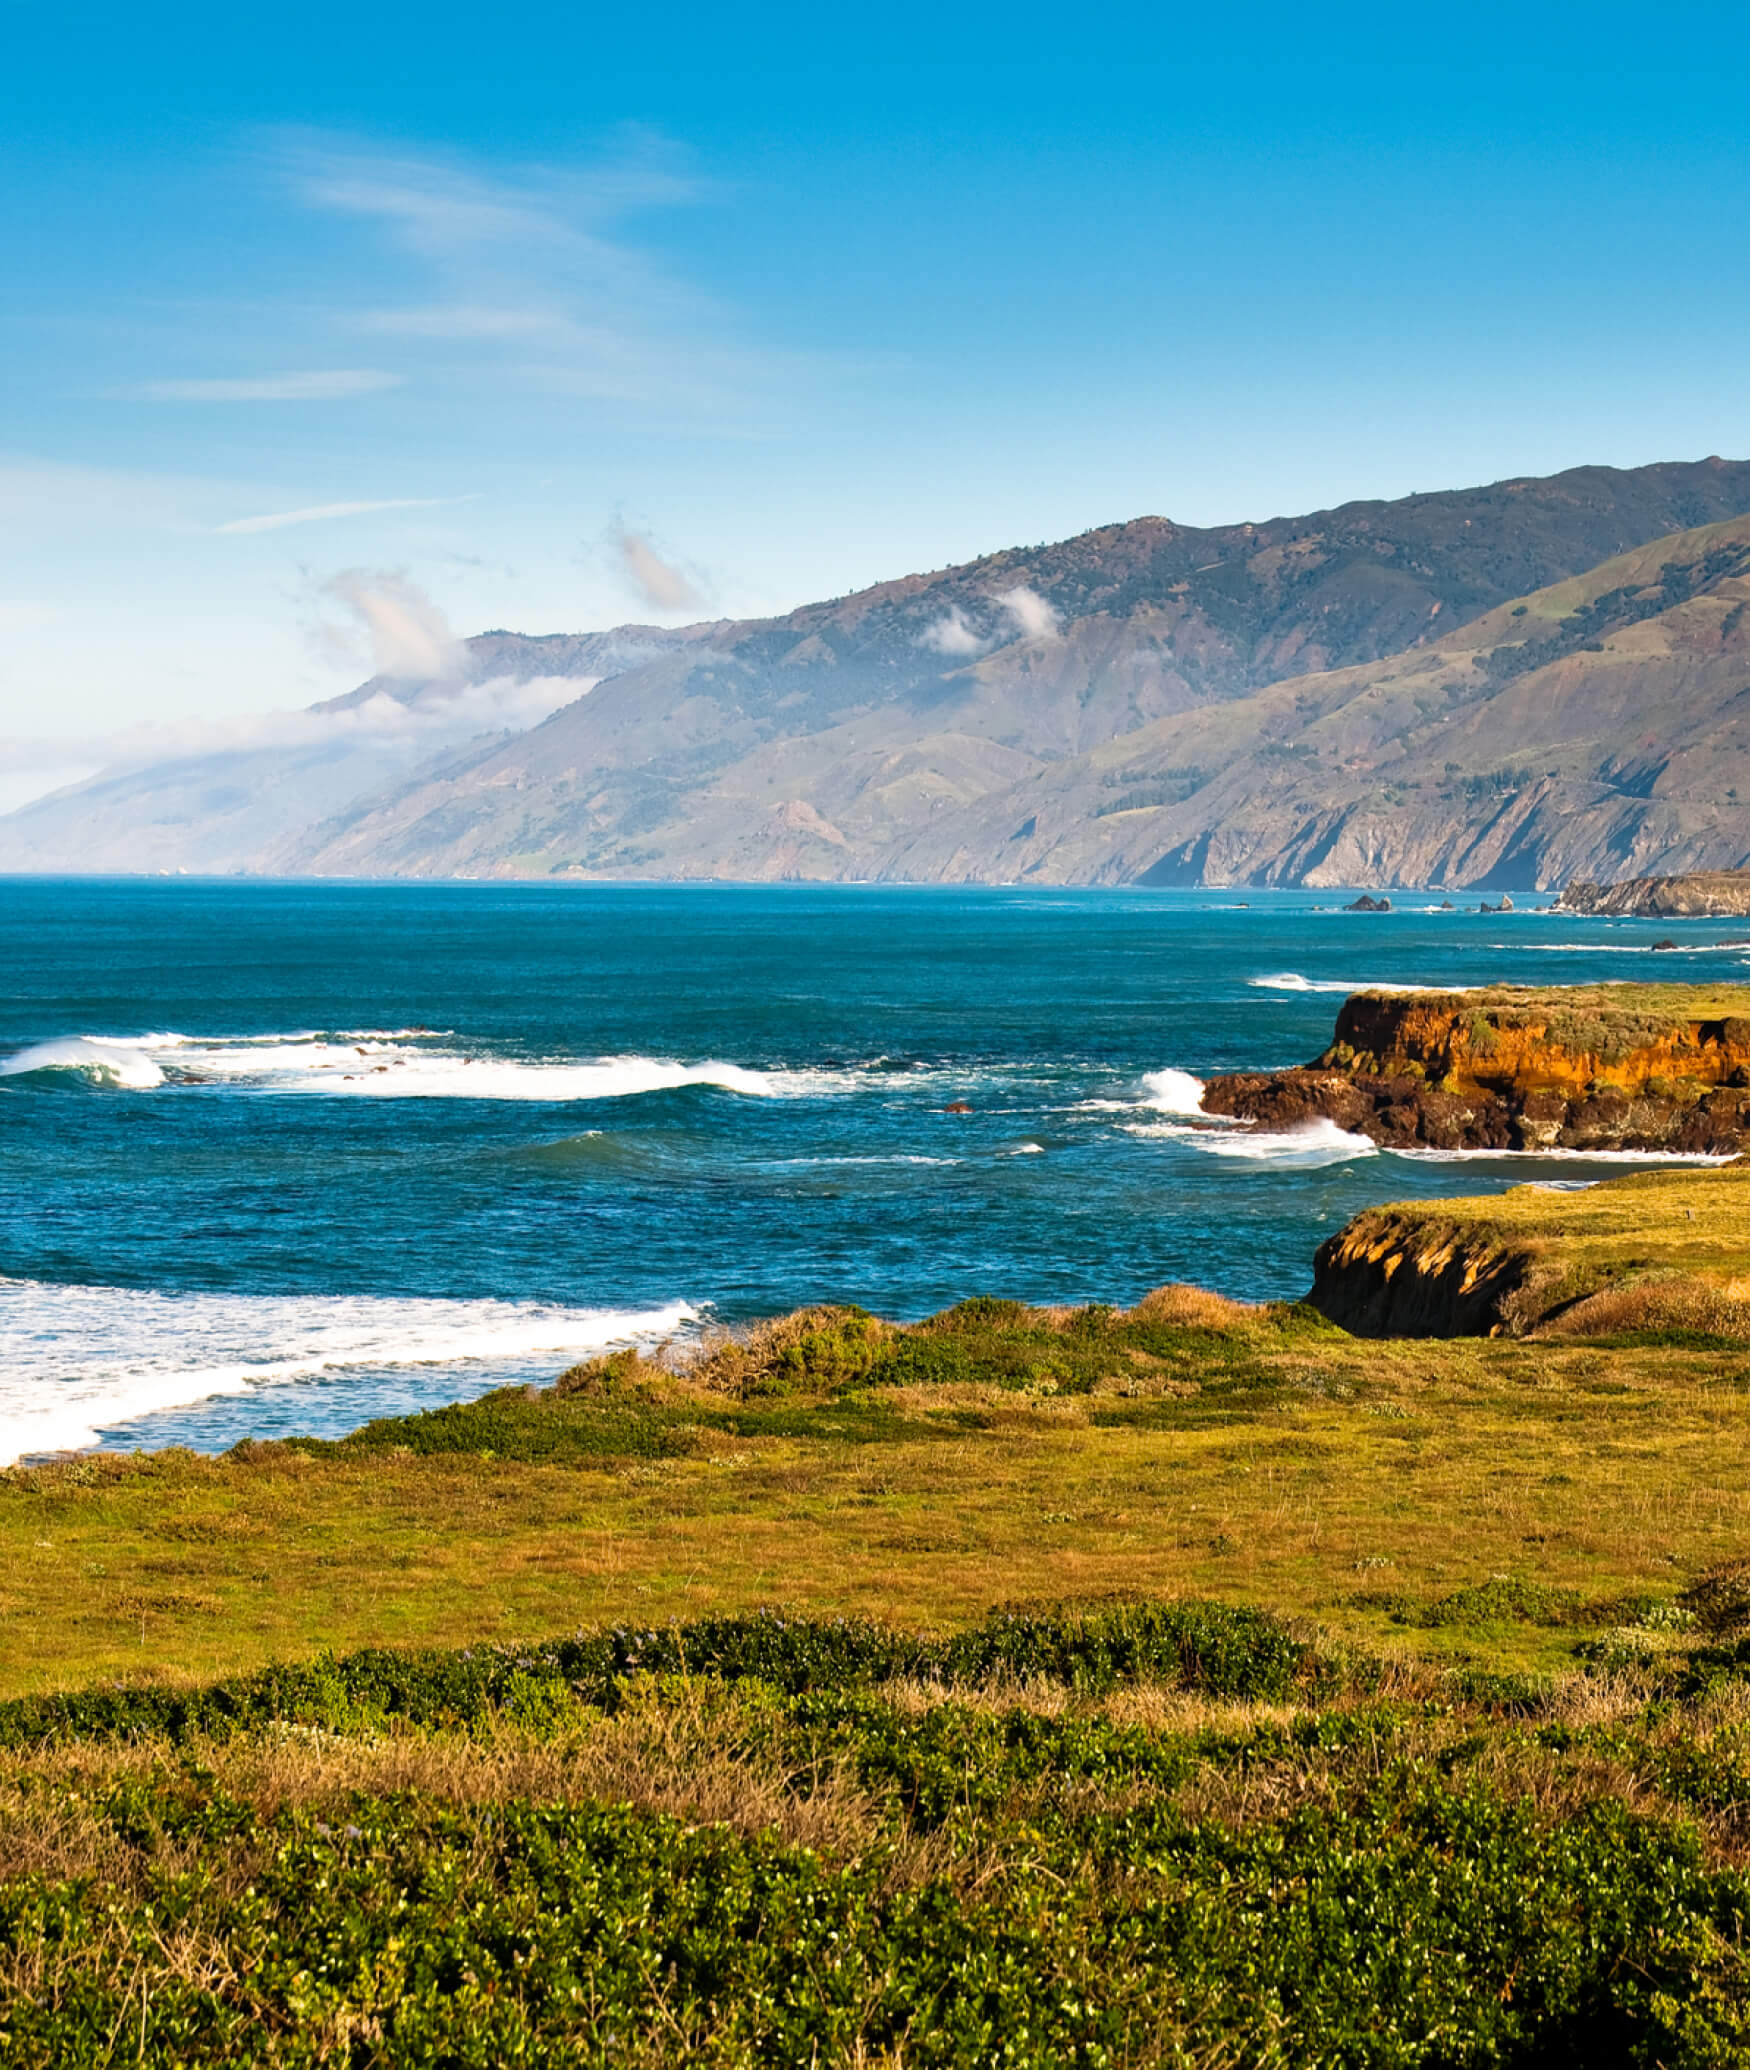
(557, 317)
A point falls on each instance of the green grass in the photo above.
(1188, 1447)
(1628, 1005)
(1650, 1256)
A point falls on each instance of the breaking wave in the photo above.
(1173, 1092)
(383, 1064)
(1312, 1144)
(129, 1065)
(78, 1360)
(1292, 981)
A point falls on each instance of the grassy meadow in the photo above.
(1191, 1684)
(1189, 1447)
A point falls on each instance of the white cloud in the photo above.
(277, 520)
(409, 636)
(338, 384)
(453, 712)
(659, 584)
(1036, 618)
(533, 269)
(950, 634)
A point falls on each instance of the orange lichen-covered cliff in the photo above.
(1603, 1067)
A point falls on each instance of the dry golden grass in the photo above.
(1418, 1467)
(1694, 1221)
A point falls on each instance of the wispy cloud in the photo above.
(450, 712)
(1036, 618)
(538, 270)
(406, 634)
(661, 585)
(277, 520)
(952, 635)
(337, 384)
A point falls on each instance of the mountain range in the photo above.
(1506, 687)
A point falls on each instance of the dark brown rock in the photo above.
(1614, 1068)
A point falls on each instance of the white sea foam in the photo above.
(1560, 1155)
(1174, 1092)
(1292, 981)
(78, 1360)
(383, 1064)
(1305, 1148)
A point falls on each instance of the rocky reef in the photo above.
(1701, 895)
(1623, 1067)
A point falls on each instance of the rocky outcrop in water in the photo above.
(1642, 1067)
(1700, 895)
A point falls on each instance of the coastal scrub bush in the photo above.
(654, 1405)
(1012, 1886)
(1204, 1646)
(513, 1424)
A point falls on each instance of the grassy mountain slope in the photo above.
(878, 735)
(1592, 729)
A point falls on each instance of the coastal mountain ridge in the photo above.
(1498, 686)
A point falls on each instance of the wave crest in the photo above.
(374, 1064)
(1312, 1144)
(77, 1360)
(1174, 1092)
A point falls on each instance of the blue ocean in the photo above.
(282, 1157)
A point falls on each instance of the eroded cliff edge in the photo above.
(1652, 1251)
(1619, 1067)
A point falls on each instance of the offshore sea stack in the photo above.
(1623, 1067)
(1700, 895)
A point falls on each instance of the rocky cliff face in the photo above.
(1406, 1272)
(1701, 895)
(1623, 1068)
